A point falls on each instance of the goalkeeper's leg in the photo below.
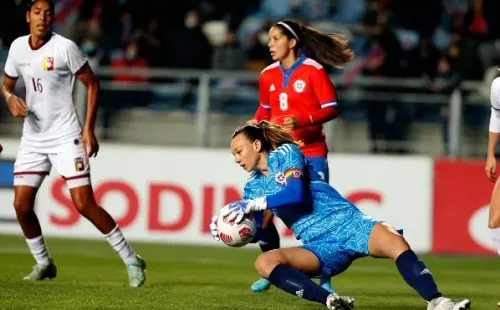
(289, 269)
(268, 239)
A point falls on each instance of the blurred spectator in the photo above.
(187, 46)
(422, 60)
(447, 79)
(128, 95)
(389, 121)
(480, 31)
(150, 41)
(441, 41)
(129, 58)
(348, 11)
(258, 50)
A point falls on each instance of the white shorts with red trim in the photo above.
(69, 159)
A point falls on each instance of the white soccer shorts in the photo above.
(69, 159)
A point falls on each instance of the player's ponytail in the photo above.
(270, 135)
(276, 135)
(326, 48)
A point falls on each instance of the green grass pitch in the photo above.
(91, 276)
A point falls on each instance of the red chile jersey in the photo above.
(304, 91)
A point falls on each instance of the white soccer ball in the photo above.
(237, 235)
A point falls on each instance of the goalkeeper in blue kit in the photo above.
(334, 232)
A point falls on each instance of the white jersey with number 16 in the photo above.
(48, 74)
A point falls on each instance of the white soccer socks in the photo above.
(121, 246)
(39, 250)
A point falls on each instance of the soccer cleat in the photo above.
(41, 272)
(260, 285)
(136, 272)
(337, 302)
(443, 303)
(326, 284)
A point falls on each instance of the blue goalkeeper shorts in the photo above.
(337, 249)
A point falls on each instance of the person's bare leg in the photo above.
(24, 205)
(84, 200)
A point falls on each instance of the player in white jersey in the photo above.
(52, 136)
(491, 163)
(494, 134)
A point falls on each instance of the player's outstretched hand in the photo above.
(491, 168)
(17, 106)
(213, 228)
(90, 142)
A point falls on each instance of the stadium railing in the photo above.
(468, 94)
(359, 89)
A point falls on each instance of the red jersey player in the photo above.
(300, 97)
(296, 92)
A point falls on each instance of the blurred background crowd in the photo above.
(439, 42)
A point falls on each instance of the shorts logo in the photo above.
(280, 178)
(79, 164)
(299, 86)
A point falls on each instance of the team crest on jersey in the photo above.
(299, 86)
(79, 164)
(48, 63)
(280, 178)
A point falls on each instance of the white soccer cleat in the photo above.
(136, 272)
(337, 302)
(41, 272)
(443, 303)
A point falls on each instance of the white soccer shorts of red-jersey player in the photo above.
(51, 131)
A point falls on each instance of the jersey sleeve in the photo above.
(495, 106)
(325, 93)
(324, 89)
(264, 99)
(75, 59)
(10, 69)
(290, 161)
(262, 114)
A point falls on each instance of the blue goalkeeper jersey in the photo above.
(297, 195)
